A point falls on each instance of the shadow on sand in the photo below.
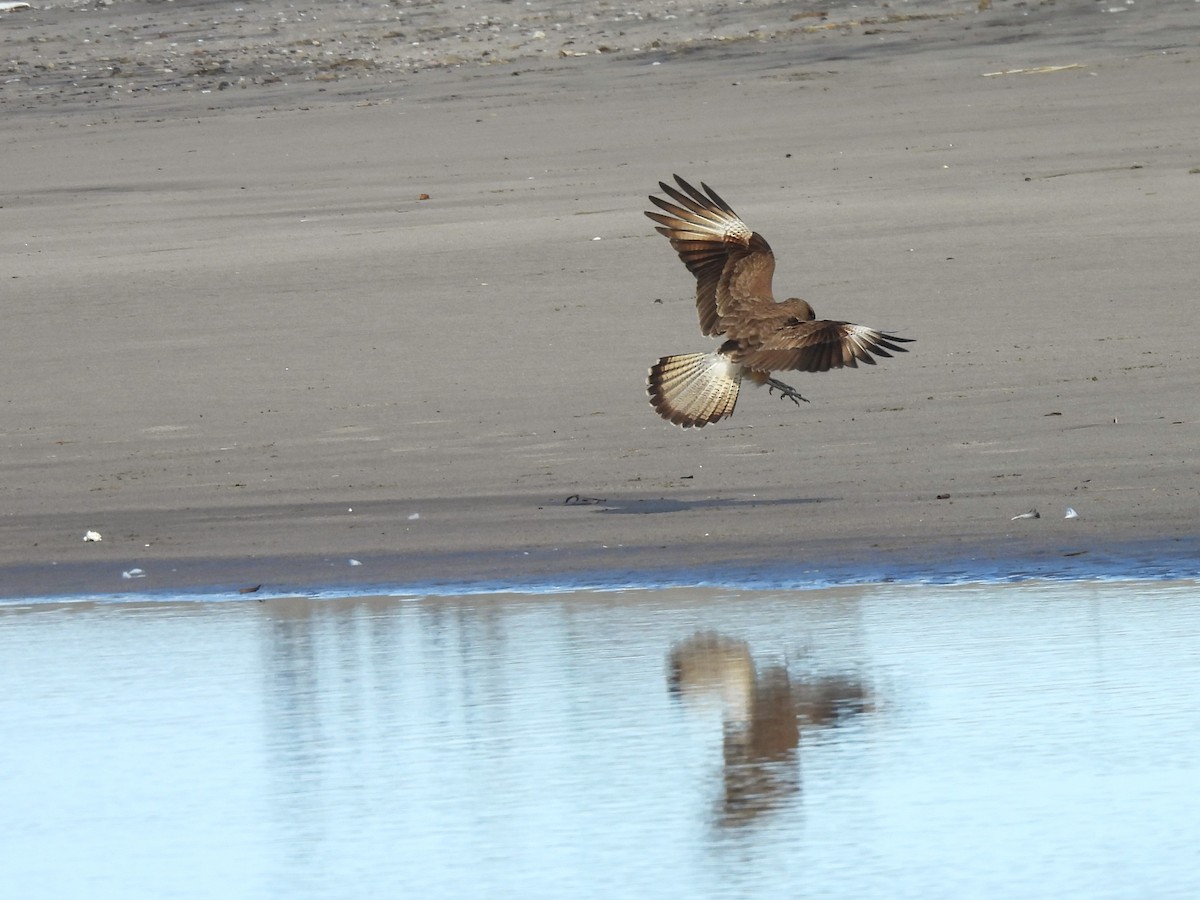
(663, 505)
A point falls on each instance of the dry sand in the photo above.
(240, 346)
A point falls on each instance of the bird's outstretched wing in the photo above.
(732, 264)
(818, 346)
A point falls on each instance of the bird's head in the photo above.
(800, 309)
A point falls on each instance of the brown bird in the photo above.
(733, 267)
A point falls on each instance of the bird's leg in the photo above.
(786, 392)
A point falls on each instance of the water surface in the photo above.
(900, 741)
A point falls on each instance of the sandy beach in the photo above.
(288, 287)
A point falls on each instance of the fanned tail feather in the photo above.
(694, 389)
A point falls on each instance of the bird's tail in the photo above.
(693, 389)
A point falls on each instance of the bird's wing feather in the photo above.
(733, 266)
(819, 346)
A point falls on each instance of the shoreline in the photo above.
(618, 569)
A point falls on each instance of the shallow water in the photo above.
(899, 741)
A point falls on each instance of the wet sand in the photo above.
(240, 346)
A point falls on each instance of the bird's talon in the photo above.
(786, 391)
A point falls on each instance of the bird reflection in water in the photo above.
(763, 711)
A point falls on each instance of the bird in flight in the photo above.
(733, 267)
